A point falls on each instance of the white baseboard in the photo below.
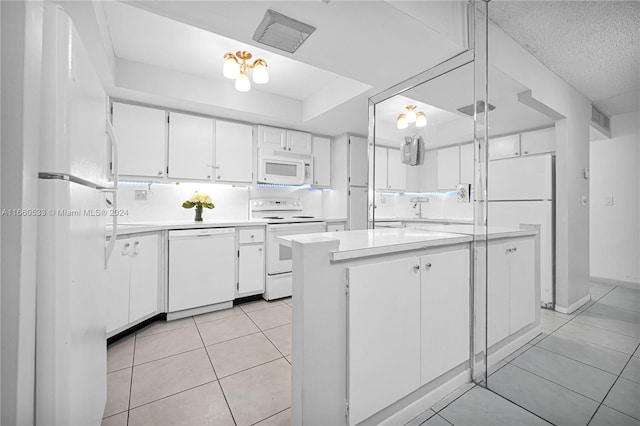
(627, 284)
(574, 307)
(417, 407)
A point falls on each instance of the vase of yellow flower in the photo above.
(199, 201)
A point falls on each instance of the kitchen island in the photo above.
(381, 326)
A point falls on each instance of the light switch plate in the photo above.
(140, 195)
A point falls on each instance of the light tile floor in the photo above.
(584, 369)
(233, 367)
(230, 367)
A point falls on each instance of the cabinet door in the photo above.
(357, 213)
(523, 303)
(498, 293)
(383, 349)
(381, 168)
(335, 227)
(143, 292)
(448, 167)
(538, 142)
(358, 161)
(251, 269)
(233, 152)
(321, 162)
(505, 147)
(272, 138)
(299, 142)
(141, 134)
(466, 164)
(118, 286)
(444, 296)
(190, 146)
(396, 171)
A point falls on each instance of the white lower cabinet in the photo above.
(444, 299)
(511, 288)
(336, 226)
(132, 291)
(251, 267)
(384, 335)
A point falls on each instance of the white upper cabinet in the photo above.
(466, 163)
(142, 139)
(381, 168)
(190, 147)
(358, 161)
(448, 167)
(233, 152)
(299, 142)
(274, 138)
(539, 141)
(396, 171)
(321, 162)
(505, 147)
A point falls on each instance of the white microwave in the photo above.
(284, 168)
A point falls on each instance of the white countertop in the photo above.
(422, 219)
(155, 226)
(494, 231)
(354, 244)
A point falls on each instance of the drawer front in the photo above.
(246, 236)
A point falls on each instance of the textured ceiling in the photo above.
(592, 45)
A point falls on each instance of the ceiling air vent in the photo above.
(469, 110)
(280, 31)
(598, 119)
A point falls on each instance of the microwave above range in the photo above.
(284, 168)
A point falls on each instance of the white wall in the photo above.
(615, 229)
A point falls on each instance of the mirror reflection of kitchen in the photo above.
(439, 113)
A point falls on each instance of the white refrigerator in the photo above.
(521, 191)
(71, 251)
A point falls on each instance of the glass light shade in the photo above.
(260, 74)
(402, 122)
(231, 68)
(421, 119)
(411, 115)
(242, 83)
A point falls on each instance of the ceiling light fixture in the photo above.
(236, 66)
(411, 116)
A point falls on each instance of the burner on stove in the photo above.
(303, 217)
(273, 217)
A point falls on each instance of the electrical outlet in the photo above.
(140, 195)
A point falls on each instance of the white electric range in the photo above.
(285, 217)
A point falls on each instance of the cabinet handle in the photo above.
(124, 250)
(526, 152)
(135, 248)
(515, 153)
(508, 251)
(515, 249)
(260, 249)
(253, 236)
(208, 176)
(218, 177)
(427, 265)
(416, 268)
(160, 173)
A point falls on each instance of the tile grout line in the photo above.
(578, 361)
(439, 415)
(609, 391)
(454, 400)
(273, 415)
(216, 374)
(172, 394)
(518, 405)
(133, 361)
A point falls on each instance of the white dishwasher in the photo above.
(201, 267)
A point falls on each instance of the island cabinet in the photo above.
(394, 354)
(381, 319)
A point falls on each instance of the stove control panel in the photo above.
(275, 204)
